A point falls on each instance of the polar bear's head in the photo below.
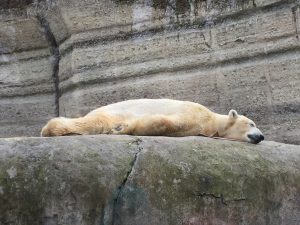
(241, 128)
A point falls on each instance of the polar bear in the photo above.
(157, 117)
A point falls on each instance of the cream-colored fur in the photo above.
(164, 117)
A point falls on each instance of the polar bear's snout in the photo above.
(255, 135)
(255, 138)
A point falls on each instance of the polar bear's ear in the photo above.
(233, 114)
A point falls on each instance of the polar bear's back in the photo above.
(141, 107)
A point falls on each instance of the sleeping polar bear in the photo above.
(152, 117)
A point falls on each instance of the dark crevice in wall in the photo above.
(220, 198)
(55, 57)
(295, 14)
(102, 215)
(116, 201)
(205, 40)
(209, 195)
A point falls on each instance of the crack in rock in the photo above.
(138, 141)
(55, 57)
(102, 215)
(295, 10)
(221, 198)
(205, 41)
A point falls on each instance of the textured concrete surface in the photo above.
(148, 180)
(223, 54)
(26, 84)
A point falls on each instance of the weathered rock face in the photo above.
(147, 180)
(26, 68)
(223, 54)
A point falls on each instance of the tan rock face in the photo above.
(222, 54)
(87, 180)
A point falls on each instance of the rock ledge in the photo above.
(147, 181)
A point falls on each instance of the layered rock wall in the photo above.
(26, 70)
(89, 180)
(222, 54)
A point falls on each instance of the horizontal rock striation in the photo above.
(148, 180)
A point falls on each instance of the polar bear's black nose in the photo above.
(256, 138)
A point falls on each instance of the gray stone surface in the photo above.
(26, 86)
(223, 54)
(148, 180)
